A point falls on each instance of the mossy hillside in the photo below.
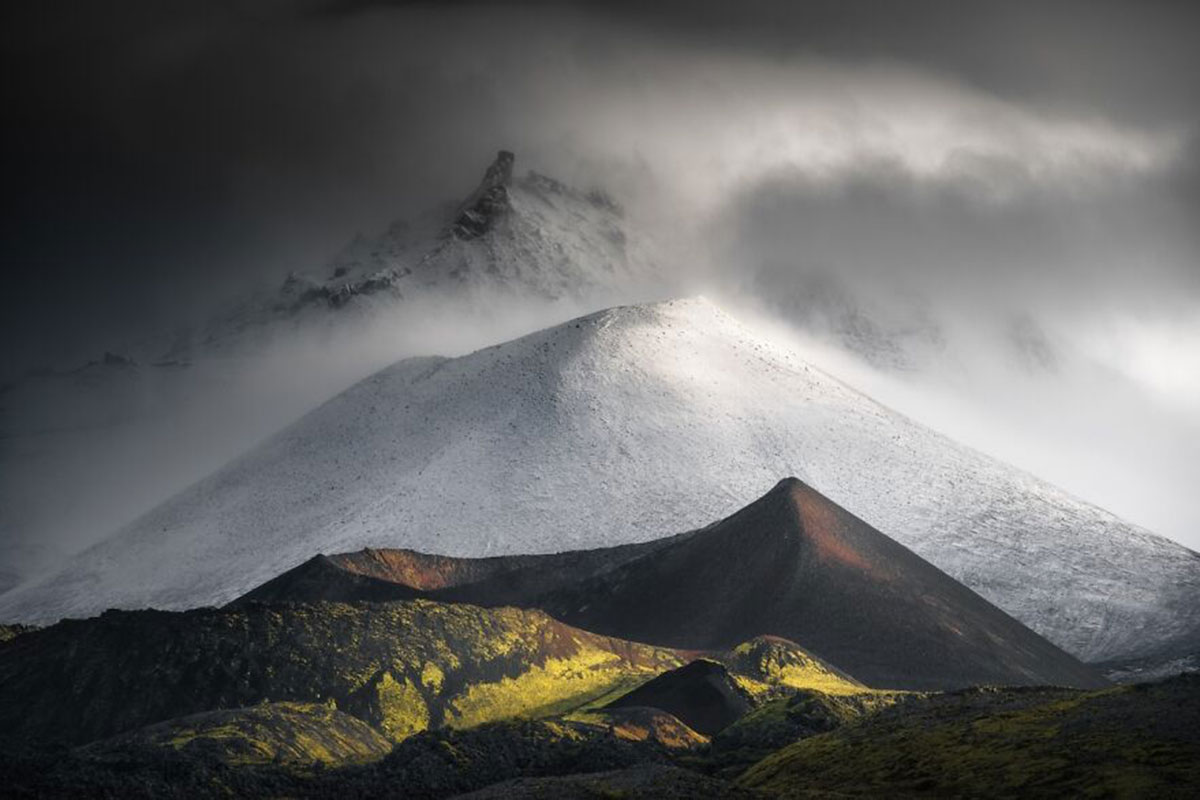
(1128, 742)
(430, 764)
(769, 666)
(555, 687)
(810, 711)
(795, 693)
(401, 667)
(397, 707)
(1031, 743)
(273, 733)
(784, 720)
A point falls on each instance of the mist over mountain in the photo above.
(681, 412)
(86, 447)
(386, 388)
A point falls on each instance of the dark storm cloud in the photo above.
(1039, 247)
(164, 153)
(1133, 59)
(1129, 59)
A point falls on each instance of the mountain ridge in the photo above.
(790, 564)
(676, 412)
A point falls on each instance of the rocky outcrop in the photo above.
(489, 202)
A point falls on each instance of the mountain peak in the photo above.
(788, 485)
(480, 211)
(499, 173)
(682, 312)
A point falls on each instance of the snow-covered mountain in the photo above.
(84, 449)
(624, 426)
(526, 237)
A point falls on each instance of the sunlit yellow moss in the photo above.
(301, 733)
(432, 677)
(619, 688)
(762, 664)
(402, 709)
(554, 687)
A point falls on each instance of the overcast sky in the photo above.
(163, 151)
(980, 163)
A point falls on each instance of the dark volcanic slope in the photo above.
(399, 667)
(794, 564)
(702, 694)
(397, 574)
(791, 564)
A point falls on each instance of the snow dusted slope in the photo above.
(84, 450)
(624, 426)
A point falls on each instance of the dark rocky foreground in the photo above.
(1135, 741)
(623, 674)
(400, 667)
(1139, 741)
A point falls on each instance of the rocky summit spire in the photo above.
(488, 202)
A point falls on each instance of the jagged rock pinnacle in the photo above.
(500, 172)
(488, 202)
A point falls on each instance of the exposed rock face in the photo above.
(500, 172)
(488, 202)
(476, 216)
